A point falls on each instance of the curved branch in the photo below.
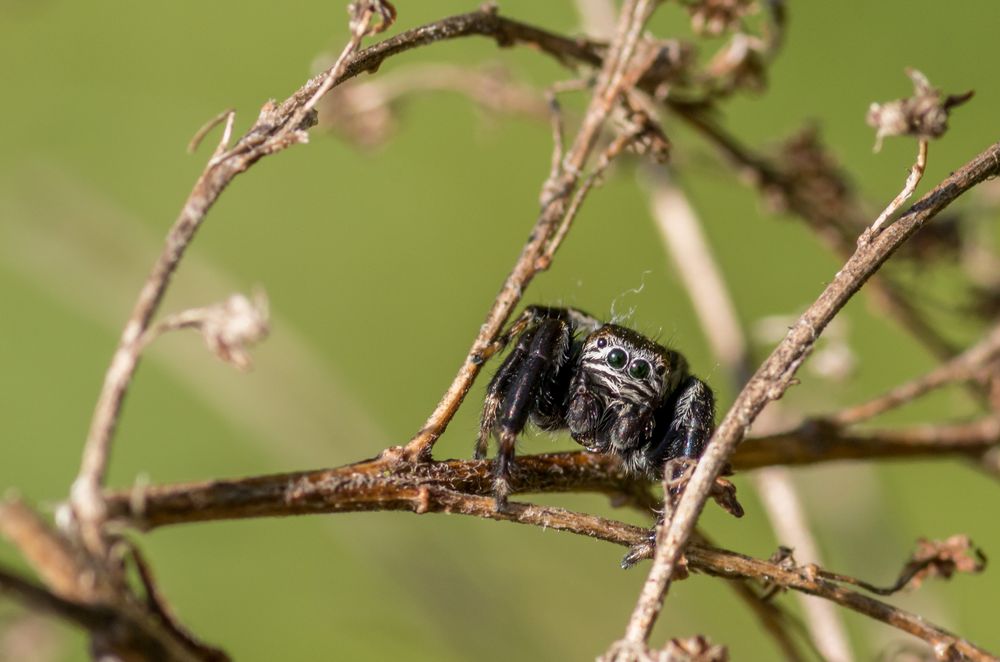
(277, 127)
(777, 373)
(388, 484)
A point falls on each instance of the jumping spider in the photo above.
(616, 391)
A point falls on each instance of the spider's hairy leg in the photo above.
(693, 420)
(495, 393)
(691, 412)
(539, 354)
(526, 323)
(528, 318)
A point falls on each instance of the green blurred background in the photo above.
(380, 268)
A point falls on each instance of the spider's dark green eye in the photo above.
(617, 358)
(639, 369)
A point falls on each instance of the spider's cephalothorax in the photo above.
(616, 391)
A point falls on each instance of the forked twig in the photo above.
(776, 374)
(916, 174)
(557, 194)
(685, 241)
(386, 485)
(965, 366)
(282, 125)
(275, 130)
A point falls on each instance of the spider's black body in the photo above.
(616, 391)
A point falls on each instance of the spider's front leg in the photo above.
(527, 383)
(689, 418)
(692, 420)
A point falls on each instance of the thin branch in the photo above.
(965, 366)
(387, 484)
(302, 492)
(86, 593)
(685, 241)
(777, 373)
(833, 223)
(278, 127)
(916, 174)
(818, 441)
(275, 130)
(63, 567)
(611, 82)
(226, 116)
(609, 154)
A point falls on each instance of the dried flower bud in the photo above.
(924, 115)
(383, 8)
(713, 17)
(943, 558)
(649, 137)
(231, 327)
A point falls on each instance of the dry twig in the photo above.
(392, 483)
(688, 247)
(916, 174)
(557, 191)
(970, 364)
(90, 589)
(277, 128)
(776, 374)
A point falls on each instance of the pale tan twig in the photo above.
(834, 224)
(267, 136)
(916, 174)
(787, 515)
(597, 17)
(633, 16)
(967, 365)
(685, 242)
(609, 154)
(225, 116)
(684, 239)
(776, 374)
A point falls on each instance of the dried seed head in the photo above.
(231, 327)
(944, 558)
(924, 115)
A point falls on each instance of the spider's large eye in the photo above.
(639, 369)
(617, 358)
